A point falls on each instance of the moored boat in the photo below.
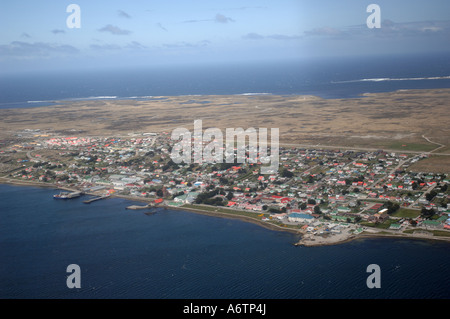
(67, 195)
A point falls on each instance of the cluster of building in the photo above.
(310, 186)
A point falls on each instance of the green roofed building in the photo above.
(395, 226)
(442, 219)
(431, 223)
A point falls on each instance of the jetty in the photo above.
(134, 207)
(95, 199)
(153, 204)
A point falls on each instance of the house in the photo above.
(191, 197)
(395, 226)
(343, 209)
(280, 216)
(180, 199)
(431, 224)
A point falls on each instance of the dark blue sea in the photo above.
(173, 254)
(325, 77)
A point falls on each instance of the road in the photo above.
(338, 147)
(435, 143)
(423, 195)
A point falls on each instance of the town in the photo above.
(325, 194)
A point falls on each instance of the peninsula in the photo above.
(376, 165)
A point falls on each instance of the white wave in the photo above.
(396, 79)
(102, 97)
(91, 98)
(255, 94)
(375, 80)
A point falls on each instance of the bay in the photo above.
(174, 254)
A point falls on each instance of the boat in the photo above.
(67, 195)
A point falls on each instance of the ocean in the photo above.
(174, 254)
(327, 78)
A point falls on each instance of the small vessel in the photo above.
(67, 195)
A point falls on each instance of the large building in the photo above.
(300, 218)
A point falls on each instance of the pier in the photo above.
(95, 199)
(154, 204)
(134, 207)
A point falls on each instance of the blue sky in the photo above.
(118, 33)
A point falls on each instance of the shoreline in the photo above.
(304, 241)
(65, 100)
(324, 242)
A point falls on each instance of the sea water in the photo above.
(327, 78)
(173, 254)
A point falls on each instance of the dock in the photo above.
(139, 207)
(154, 204)
(95, 199)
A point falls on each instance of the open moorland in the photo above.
(407, 121)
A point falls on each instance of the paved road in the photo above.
(423, 195)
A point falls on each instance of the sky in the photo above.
(35, 35)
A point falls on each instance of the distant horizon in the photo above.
(79, 69)
(345, 77)
(54, 36)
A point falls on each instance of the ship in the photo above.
(67, 195)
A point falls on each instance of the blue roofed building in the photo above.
(300, 218)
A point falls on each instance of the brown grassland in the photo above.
(406, 121)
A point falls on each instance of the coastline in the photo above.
(305, 239)
(346, 239)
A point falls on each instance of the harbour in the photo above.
(179, 254)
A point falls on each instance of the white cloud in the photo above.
(220, 18)
(56, 31)
(114, 30)
(123, 14)
(257, 36)
(19, 49)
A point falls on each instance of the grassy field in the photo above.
(225, 210)
(385, 225)
(432, 164)
(405, 146)
(253, 215)
(441, 233)
(406, 213)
